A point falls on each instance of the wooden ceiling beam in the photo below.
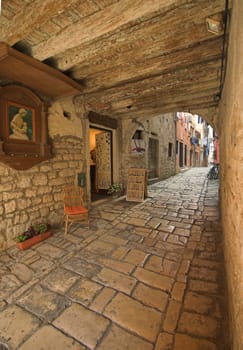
(151, 101)
(32, 16)
(191, 75)
(103, 23)
(159, 101)
(155, 35)
(153, 49)
(208, 88)
(151, 111)
(138, 69)
(187, 104)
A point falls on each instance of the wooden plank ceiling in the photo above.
(132, 57)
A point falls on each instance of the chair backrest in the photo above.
(72, 196)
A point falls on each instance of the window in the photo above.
(177, 146)
(137, 135)
(137, 143)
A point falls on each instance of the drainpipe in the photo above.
(175, 120)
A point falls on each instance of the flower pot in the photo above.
(34, 240)
(116, 194)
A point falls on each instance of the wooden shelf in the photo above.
(22, 162)
(16, 66)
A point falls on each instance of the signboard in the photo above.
(136, 185)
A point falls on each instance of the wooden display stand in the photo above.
(136, 185)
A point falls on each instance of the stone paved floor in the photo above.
(145, 276)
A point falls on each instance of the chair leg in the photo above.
(87, 219)
(66, 225)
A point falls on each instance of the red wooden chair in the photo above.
(74, 209)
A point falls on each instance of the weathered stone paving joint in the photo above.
(145, 276)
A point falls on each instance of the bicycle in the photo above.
(213, 173)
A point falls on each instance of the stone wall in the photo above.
(36, 194)
(231, 151)
(161, 128)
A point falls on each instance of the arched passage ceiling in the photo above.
(132, 57)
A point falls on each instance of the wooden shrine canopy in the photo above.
(18, 67)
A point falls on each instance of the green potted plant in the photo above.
(33, 235)
(115, 189)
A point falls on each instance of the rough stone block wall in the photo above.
(231, 161)
(36, 194)
(164, 126)
(163, 129)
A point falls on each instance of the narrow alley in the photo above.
(145, 276)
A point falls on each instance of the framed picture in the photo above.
(20, 122)
(24, 139)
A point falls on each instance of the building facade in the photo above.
(191, 141)
(86, 149)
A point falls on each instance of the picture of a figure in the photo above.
(20, 123)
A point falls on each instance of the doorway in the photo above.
(153, 158)
(100, 162)
(181, 155)
(185, 155)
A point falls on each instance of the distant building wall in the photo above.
(156, 135)
(190, 141)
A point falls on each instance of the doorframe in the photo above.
(101, 128)
(114, 148)
(157, 147)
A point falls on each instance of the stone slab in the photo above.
(203, 286)
(82, 267)
(172, 316)
(60, 280)
(116, 280)
(164, 342)
(16, 324)
(153, 279)
(162, 266)
(50, 250)
(8, 284)
(102, 299)
(119, 339)
(43, 303)
(49, 338)
(202, 304)
(134, 316)
(82, 324)
(84, 291)
(22, 272)
(136, 257)
(198, 325)
(186, 342)
(120, 266)
(100, 247)
(204, 273)
(152, 297)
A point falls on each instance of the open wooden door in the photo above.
(103, 160)
(153, 158)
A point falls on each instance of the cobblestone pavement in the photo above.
(145, 276)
